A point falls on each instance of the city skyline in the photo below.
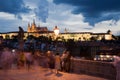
(76, 16)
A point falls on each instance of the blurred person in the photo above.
(43, 46)
(21, 59)
(68, 62)
(38, 56)
(63, 60)
(15, 58)
(6, 59)
(51, 60)
(1, 50)
(116, 63)
(57, 63)
(29, 59)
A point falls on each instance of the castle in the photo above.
(83, 36)
(34, 28)
(37, 31)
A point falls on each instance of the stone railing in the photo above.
(95, 68)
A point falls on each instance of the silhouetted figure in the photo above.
(63, 60)
(68, 62)
(20, 38)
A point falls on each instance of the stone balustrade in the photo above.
(95, 68)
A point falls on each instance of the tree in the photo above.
(14, 38)
(93, 38)
(7, 37)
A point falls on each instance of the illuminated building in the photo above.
(37, 31)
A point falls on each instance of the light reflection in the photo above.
(107, 58)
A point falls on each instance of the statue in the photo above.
(20, 38)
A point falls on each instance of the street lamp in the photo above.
(56, 31)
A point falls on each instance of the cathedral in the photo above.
(34, 28)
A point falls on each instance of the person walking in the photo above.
(68, 62)
(29, 59)
(63, 61)
(21, 60)
(116, 63)
(57, 63)
(6, 59)
(51, 60)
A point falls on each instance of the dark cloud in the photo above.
(18, 7)
(94, 10)
(13, 7)
(42, 10)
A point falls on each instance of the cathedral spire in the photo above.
(66, 30)
(29, 28)
(33, 24)
(34, 21)
(28, 24)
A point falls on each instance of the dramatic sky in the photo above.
(74, 15)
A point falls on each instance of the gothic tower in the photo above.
(29, 28)
(33, 26)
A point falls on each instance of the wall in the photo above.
(96, 68)
(76, 36)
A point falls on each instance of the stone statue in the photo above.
(20, 38)
(20, 33)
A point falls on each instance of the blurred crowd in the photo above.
(54, 61)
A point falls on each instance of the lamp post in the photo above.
(56, 31)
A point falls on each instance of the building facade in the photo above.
(37, 31)
(34, 28)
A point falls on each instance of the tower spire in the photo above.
(28, 24)
(33, 21)
(29, 28)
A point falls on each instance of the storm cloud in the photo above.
(15, 7)
(94, 10)
(41, 11)
(18, 7)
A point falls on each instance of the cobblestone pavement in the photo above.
(40, 73)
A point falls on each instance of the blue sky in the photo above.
(74, 15)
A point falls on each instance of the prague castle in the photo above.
(37, 31)
(34, 28)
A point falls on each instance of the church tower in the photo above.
(65, 30)
(29, 28)
(33, 26)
